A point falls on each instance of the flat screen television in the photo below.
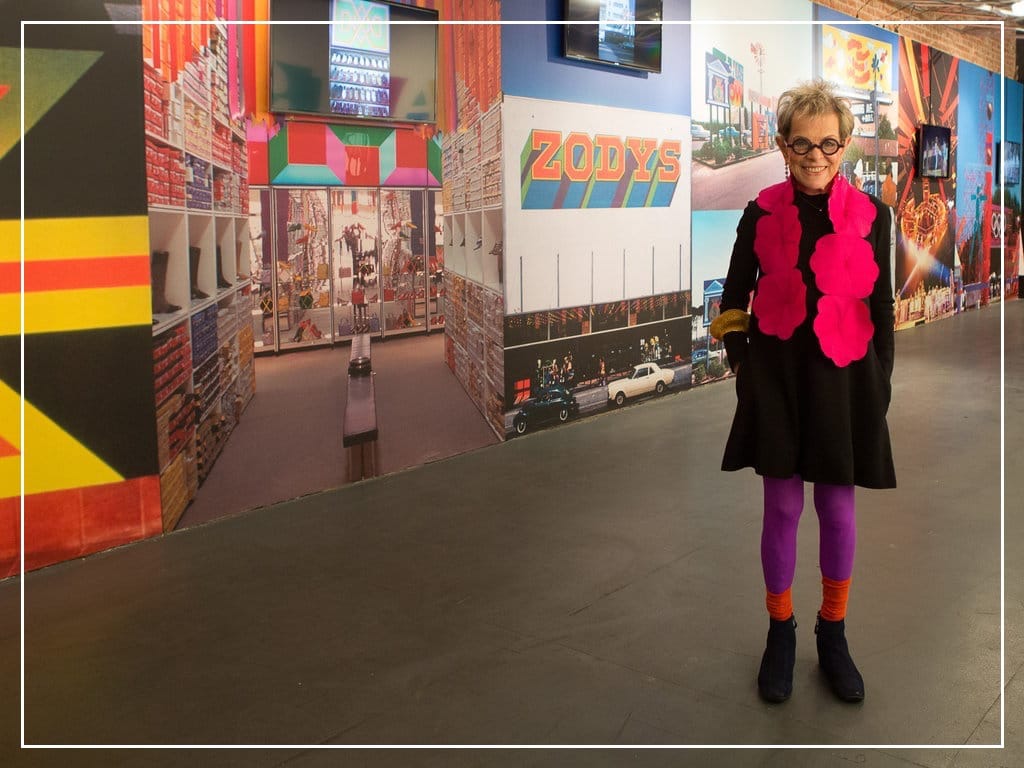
(359, 65)
(618, 35)
(933, 150)
(1010, 152)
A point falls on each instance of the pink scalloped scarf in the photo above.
(844, 269)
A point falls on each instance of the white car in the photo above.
(699, 133)
(646, 378)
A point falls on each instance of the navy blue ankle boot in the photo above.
(775, 678)
(835, 662)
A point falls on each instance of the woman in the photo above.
(813, 361)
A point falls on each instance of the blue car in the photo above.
(552, 404)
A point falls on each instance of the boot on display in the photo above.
(158, 278)
(193, 269)
(221, 282)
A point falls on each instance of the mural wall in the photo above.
(1007, 180)
(926, 207)
(596, 219)
(600, 212)
(91, 453)
(977, 213)
(618, 195)
(559, 287)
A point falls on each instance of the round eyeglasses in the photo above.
(828, 147)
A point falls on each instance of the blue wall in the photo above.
(533, 64)
(1014, 117)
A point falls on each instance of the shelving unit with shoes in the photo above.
(169, 278)
(224, 245)
(474, 256)
(199, 243)
(492, 248)
(201, 267)
(474, 246)
(175, 420)
(455, 245)
(245, 385)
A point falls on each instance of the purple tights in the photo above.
(783, 504)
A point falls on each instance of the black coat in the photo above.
(797, 412)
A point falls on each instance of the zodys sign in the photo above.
(583, 170)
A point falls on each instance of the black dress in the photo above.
(798, 412)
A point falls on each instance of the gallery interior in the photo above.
(361, 350)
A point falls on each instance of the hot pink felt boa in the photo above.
(843, 264)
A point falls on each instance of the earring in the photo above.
(787, 170)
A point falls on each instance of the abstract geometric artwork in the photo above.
(305, 154)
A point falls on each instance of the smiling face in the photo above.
(814, 171)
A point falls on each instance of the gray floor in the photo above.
(288, 441)
(596, 584)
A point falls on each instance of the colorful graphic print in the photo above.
(853, 60)
(309, 153)
(579, 170)
(925, 211)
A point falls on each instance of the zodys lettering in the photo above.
(602, 171)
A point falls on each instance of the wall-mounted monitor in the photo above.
(1009, 151)
(359, 65)
(933, 149)
(623, 33)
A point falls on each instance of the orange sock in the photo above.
(780, 606)
(834, 595)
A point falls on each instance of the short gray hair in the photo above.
(811, 99)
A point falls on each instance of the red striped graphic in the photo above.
(70, 274)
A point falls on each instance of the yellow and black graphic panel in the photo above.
(84, 142)
(88, 399)
(51, 73)
(83, 435)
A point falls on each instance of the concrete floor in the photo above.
(596, 584)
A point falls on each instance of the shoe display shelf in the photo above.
(245, 387)
(197, 184)
(474, 246)
(474, 222)
(474, 263)
(474, 348)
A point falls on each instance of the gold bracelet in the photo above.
(729, 321)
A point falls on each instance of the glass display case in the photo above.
(435, 264)
(412, 261)
(329, 263)
(355, 235)
(261, 262)
(303, 267)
